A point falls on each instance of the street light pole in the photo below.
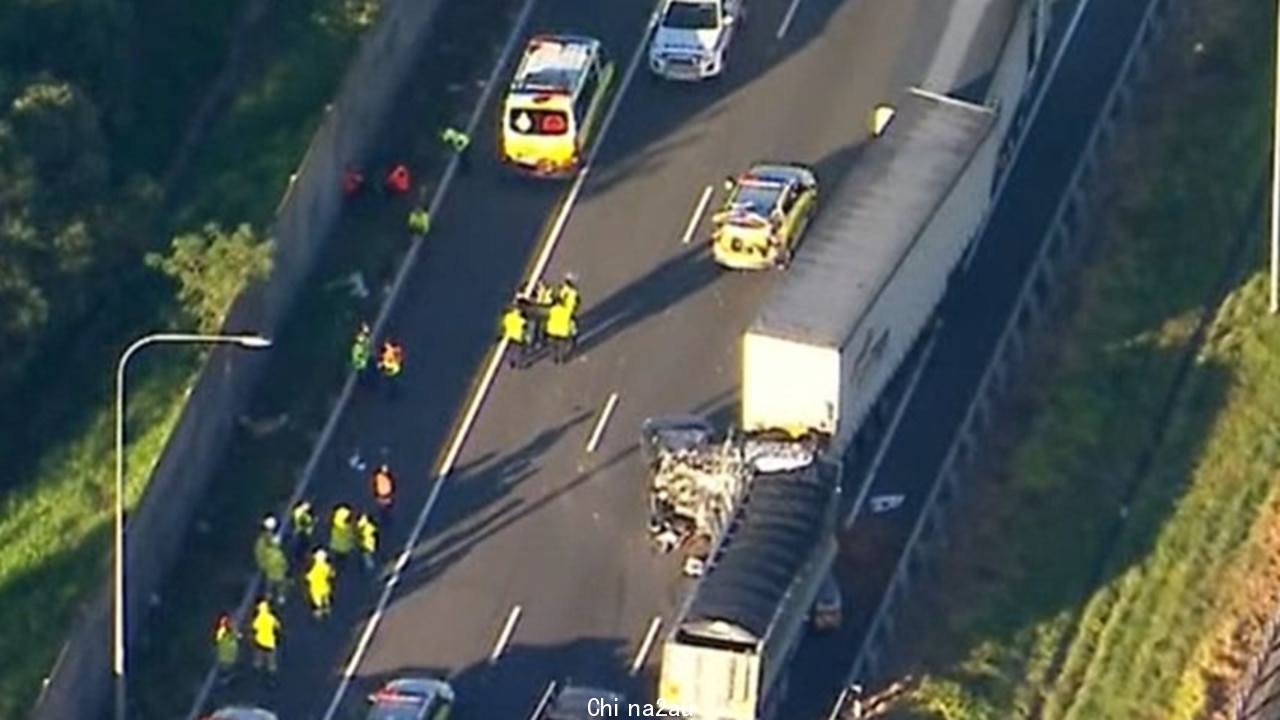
(253, 342)
(1275, 178)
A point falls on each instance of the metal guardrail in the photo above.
(1041, 292)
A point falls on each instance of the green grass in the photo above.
(56, 523)
(1054, 606)
(54, 533)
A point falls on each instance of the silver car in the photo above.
(691, 41)
(419, 698)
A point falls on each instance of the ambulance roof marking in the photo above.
(553, 63)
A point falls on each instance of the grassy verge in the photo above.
(56, 522)
(1097, 576)
(308, 366)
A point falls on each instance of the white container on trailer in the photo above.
(871, 271)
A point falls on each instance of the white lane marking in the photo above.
(542, 704)
(697, 215)
(645, 646)
(609, 405)
(495, 358)
(562, 217)
(786, 19)
(888, 436)
(501, 646)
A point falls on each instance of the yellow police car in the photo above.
(554, 105)
(764, 216)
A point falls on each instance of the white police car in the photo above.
(692, 39)
(412, 699)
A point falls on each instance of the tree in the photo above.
(211, 267)
(23, 314)
(58, 127)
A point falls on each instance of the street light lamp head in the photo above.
(253, 342)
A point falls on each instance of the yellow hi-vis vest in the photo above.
(368, 534)
(266, 626)
(560, 322)
(514, 326)
(320, 579)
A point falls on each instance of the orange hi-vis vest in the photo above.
(391, 361)
(384, 487)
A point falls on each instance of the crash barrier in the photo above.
(79, 683)
(1042, 294)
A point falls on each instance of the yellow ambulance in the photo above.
(554, 105)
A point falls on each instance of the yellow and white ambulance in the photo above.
(554, 105)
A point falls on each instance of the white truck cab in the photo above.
(691, 41)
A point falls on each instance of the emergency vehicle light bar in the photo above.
(385, 695)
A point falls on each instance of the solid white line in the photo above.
(505, 637)
(609, 405)
(562, 217)
(697, 215)
(786, 19)
(473, 410)
(546, 698)
(888, 436)
(1032, 113)
(645, 646)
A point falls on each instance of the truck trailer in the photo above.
(830, 336)
(737, 630)
(871, 272)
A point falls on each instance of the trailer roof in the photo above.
(872, 218)
(776, 529)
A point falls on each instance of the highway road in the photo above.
(533, 565)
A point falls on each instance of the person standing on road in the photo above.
(320, 584)
(362, 349)
(342, 539)
(265, 540)
(266, 638)
(419, 221)
(383, 486)
(352, 181)
(391, 364)
(226, 647)
(367, 537)
(398, 180)
(304, 530)
(275, 568)
(516, 330)
(567, 293)
(561, 330)
(458, 141)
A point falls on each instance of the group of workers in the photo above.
(350, 532)
(538, 315)
(399, 180)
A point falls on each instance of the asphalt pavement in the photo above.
(528, 518)
(975, 313)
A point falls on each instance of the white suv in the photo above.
(692, 38)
